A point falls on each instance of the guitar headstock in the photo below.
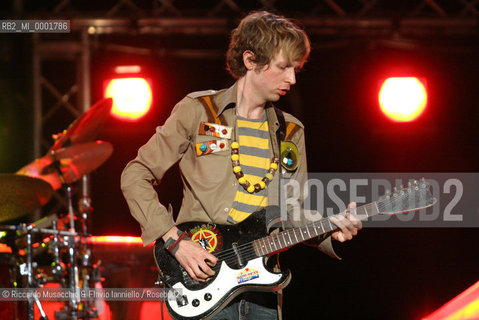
(415, 196)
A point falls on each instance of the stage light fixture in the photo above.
(402, 99)
(131, 93)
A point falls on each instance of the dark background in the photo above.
(388, 273)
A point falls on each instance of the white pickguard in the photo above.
(226, 280)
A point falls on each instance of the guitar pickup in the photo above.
(238, 255)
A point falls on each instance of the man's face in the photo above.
(276, 78)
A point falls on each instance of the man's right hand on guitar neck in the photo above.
(196, 260)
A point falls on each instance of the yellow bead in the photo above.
(262, 184)
(235, 157)
(269, 176)
(242, 180)
(250, 189)
(236, 169)
(274, 166)
(235, 145)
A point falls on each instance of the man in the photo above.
(228, 150)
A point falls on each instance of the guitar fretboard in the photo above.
(284, 239)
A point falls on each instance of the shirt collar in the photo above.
(228, 98)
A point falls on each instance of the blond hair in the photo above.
(265, 34)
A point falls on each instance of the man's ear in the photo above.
(248, 57)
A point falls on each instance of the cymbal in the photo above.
(86, 127)
(20, 195)
(73, 162)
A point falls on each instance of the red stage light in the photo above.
(131, 97)
(115, 240)
(402, 99)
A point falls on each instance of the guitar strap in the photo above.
(291, 129)
(212, 111)
(281, 133)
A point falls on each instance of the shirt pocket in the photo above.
(213, 167)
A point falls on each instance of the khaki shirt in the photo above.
(208, 181)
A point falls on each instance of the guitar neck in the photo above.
(290, 237)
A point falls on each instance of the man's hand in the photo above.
(348, 226)
(196, 260)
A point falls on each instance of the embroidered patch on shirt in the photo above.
(207, 147)
(215, 130)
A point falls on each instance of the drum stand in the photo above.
(30, 282)
(72, 310)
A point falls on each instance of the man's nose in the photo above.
(291, 76)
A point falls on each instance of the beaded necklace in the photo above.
(240, 175)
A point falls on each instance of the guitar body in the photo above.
(239, 269)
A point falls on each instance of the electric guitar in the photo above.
(241, 250)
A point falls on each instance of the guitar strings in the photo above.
(315, 224)
(223, 255)
(230, 252)
(226, 254)
(250, 252)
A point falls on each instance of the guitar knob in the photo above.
(195, 302)
(208, 296)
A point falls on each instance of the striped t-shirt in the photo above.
(254, 158)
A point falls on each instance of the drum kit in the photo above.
(63, 239)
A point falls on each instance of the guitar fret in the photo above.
(330, 225)
(303, 233)
(315, 229)
(366, 211)
(272, 242)
(261, 245)
(285, 241)
(279, 241)
(266, 243)
(309, 234)
(291, 240)
(297, 241)
(321, 224)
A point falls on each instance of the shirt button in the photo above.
(234, 184)
(227, 209)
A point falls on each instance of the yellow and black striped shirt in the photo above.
(253, 138)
